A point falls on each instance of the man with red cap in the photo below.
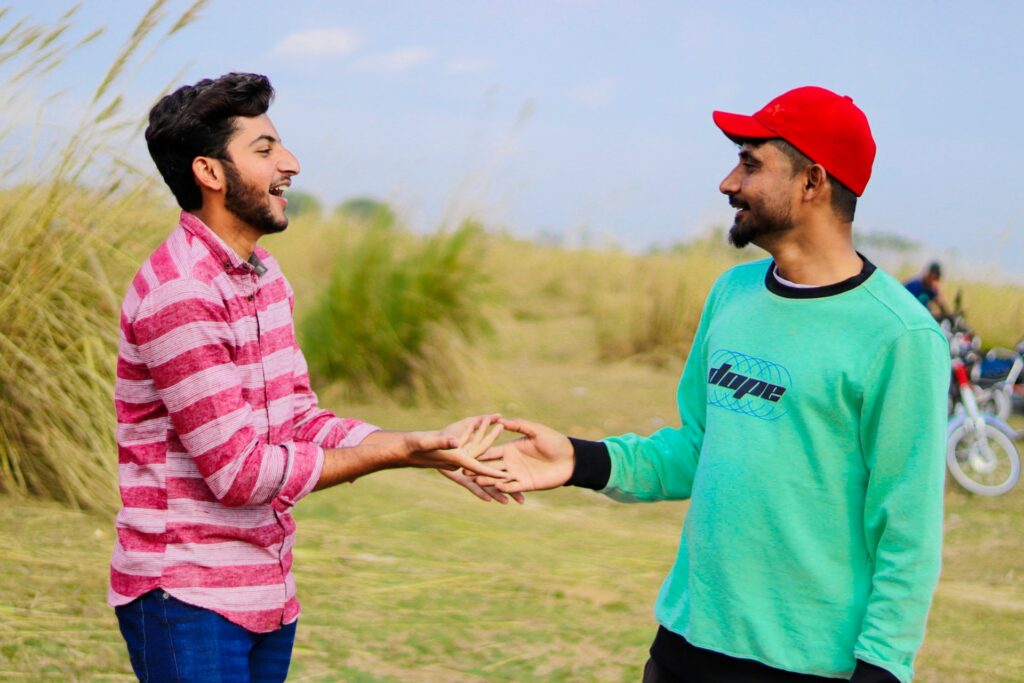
(813, 429)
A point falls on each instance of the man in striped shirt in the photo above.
(219, 433)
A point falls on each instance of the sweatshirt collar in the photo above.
(788, 292)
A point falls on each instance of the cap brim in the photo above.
(739, 127)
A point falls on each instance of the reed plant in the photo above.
(648, 307)
(398, 311)
(68, 245)
(994, 311)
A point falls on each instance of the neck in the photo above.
(238, 235)
(816, 255)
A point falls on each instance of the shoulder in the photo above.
(750, 274)
(897, 304)
(894, 318)
(181, 269)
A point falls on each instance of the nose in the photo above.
(730, 184)
(289, 163)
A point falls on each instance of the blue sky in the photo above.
(584, 117)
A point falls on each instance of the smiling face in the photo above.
(257, 175)
(763, 188)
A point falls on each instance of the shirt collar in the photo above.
(218, 247)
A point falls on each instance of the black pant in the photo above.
(654, 674)
(678, 661)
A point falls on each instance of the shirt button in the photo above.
(227, 266)
(252, 297)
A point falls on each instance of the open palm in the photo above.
(542, 459)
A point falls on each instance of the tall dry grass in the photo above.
(994, 312)
(648, 307)
(67, 246)
(398, 311)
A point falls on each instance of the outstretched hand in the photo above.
(456, 446)
(472, 433)
(543, 459)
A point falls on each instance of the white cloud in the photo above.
(468, 66)
(594, 94)
(396, 61)
(318, 43)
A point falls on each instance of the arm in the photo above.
(939, 307)
(316, 424)
(388, 450)
(628, 467)
(662, 466)
(185, 341)
(323, 427)
(903, 436)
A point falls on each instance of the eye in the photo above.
(264, 152)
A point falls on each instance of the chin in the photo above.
(738, 237)
(273, 228)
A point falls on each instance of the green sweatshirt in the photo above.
(812, 450)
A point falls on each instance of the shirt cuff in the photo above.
(306, 466)
(593, 464)
(869, 673)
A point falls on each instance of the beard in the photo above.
(249, 203)
(757, 224)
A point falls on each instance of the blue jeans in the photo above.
(169, 640)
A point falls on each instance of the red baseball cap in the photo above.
(828, 128)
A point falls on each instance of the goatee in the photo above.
(752, 227)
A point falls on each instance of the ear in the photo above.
(816, 183)
(209, 173)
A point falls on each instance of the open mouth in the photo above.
(279, 189)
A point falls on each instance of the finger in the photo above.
(477, 467)
(491, 437)
(518, 497)
(496, 464)
(483, 440)
(523, 427)
(434, 441)
(511, 486)
(481, 430)
(489, 482)
(480, 492)
(466, 434)
(496, 495)
(471, 486)
(493, 453)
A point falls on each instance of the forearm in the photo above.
(378, 451)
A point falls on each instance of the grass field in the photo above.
(405, 577)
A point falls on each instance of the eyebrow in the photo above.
(747, 155)
(265, 137)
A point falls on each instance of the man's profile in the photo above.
(812, 410)
(219, 432)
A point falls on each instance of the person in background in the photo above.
(927, 288)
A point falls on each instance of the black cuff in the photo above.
(593, 464)
(869, 673)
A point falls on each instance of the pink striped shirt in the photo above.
(218, 432)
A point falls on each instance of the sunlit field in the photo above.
(403, 576)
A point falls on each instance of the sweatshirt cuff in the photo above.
(869, 673)
(593, 464)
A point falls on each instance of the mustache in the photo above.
(738, 203)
